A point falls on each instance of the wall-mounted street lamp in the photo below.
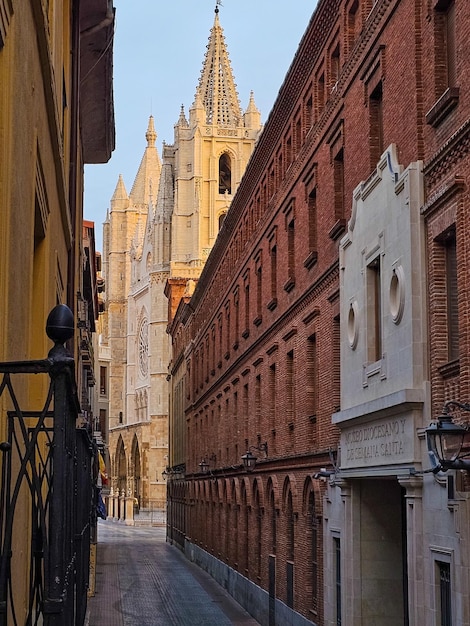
(204, 465)
(324, 474)
(449, 442)
(176, 472)
(249, 459)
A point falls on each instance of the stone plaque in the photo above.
(382, 442)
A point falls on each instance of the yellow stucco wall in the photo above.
(35, 225)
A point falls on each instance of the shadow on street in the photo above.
(143, 581)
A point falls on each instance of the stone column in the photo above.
(414, 535)
(122, 506)
(350, 555)
(115, 506)
(129, 516)
(114, 498)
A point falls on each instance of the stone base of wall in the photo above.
(250, 596)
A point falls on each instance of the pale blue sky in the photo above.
(159, 50)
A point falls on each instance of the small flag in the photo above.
(103, 472)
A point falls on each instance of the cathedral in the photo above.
(162, 232)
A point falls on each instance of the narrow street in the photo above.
(143, 581)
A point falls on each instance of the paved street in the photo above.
(143, 581)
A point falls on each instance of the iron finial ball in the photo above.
(60, 324)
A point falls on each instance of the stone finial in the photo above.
(252, 115)
(182, 121)
(151, 134)
(252, 108)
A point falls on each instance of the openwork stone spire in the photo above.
(216, 85)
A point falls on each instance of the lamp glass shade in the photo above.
(450, 444)
(445, 439)
(249, 461)
(204, 466)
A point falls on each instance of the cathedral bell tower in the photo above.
(211, 152)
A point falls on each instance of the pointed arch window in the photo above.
(222, 217)
(314, 532)
(273, 529)
(258, 530)
(290, 550)
(143, 348)
(290, 526)
(225, 174)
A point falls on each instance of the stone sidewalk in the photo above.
(143, 581)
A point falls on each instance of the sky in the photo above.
(159, 50)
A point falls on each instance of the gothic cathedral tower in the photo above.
(211, 152)
(161, 232)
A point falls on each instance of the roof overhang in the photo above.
(96, 80)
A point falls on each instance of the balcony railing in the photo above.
(47, 494)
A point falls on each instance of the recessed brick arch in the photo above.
(273, 487)
(211, 491)
(311, 485)
(248, 490)
(234, 492)
(225, 484)
(290, 483)
(206, 486)
(258, 485)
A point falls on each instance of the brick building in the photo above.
(327, 329)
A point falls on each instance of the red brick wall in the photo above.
(233, 402)
(447, 169)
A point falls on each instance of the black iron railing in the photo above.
(46, 493)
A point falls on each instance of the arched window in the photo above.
(121, 463)
(222, 217)
(313, 527)
(234, 512)
(273, 512)
(290, 526)
(226, 525)
(290, 550)
(225, 174)
(245, 516)
(258, 529)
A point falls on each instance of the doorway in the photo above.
(383, 549)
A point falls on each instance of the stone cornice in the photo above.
(452, 151)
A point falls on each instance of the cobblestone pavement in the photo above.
(143, 581)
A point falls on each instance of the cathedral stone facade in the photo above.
(156, 241)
